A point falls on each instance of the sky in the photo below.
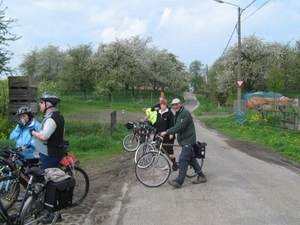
(190, 29)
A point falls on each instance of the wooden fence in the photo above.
(286, 119)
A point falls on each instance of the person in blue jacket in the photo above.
(21, 134)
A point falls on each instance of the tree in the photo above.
(45, 64)
(28, 67)
(5, 37)
(109, 64)
(196, 72)
(258, 59)
(78, 72)
(276, 82)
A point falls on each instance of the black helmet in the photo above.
(50, 96)
(23, 110)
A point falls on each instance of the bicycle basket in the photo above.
(129, 125)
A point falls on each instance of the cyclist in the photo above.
(151, 116)
(49, 137)
(21, 132)
(157, 106)
(186, 136)
(165, 120)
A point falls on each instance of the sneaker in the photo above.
(200, 179)
(174, 183)
(50, 217)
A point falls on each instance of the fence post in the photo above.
(296, 121)
(113, 121)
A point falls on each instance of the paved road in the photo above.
(240, 190)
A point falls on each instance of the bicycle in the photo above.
(32, 209)
(132, 141)
(13, 175)
(9, 191)
(153, 168)
(148, 144)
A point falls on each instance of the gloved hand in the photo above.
(20, 124)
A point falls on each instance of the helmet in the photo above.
(129, 125)
(23, 110)
(50, 96)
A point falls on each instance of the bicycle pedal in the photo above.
(175, 166)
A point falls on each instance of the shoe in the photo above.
(50, 217)
(20, 198)
(200, 179)
(174, 183)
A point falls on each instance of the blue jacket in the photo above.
(22, 137)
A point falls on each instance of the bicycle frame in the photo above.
(153, 168)
(4, 215)
(33, 189)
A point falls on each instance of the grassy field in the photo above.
(91, 140)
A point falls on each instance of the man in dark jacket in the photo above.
(186, 136)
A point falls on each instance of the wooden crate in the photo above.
(22, 82)
(22, 94)
(14, 106)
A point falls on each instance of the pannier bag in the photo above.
(199, 149)
(59, 194)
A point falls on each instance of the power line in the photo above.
(229, 39)
(235, 27)
(256, 10)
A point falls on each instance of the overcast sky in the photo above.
(190, 29)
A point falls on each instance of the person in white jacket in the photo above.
(21, 134)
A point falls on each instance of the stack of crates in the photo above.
(22, 92)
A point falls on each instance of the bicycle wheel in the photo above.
(191, 172)
(142, 150)
(9, 190)
(82, 185)
(131, 142)
(153, 169)
(33, 210)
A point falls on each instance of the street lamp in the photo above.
(239, 52)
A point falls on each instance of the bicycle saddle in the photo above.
(35, 171)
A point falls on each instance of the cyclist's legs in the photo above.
(49, 162)
(194, 163)
(169, 149)
(184, 161)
